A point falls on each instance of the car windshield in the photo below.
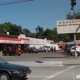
(2, 61)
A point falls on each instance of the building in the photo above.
(35, 42)
(7, 40)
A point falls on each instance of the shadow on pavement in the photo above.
(39, 61)
(51, 57)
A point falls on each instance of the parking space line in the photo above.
(37, 76)
(56, 74)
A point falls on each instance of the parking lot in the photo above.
(46, 66)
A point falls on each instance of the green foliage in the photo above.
(39, 32)
(70, 16)
(11, 28)
(26, 32)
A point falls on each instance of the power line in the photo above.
(54, 17)
(14, 2)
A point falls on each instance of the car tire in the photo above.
(11, 54)
(46, 51)
(19, 54)
(4, 76)
(4, 54)
(29, 52)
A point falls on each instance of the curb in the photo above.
(37, 63)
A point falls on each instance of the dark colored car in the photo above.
(12, 71)
(67, 47)
(31, 50)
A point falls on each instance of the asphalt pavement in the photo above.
(55, 58)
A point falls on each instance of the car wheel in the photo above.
(4, 54)
(19, 54)
(4, 76)
(10, 54)
(29, 52)
(46, 51)
(36, 52)
(78, 53)
(13, 54)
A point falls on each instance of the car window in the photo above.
(2, 61)
(40, 48)
(73, 48)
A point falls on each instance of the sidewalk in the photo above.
(71, 61)
(67, 60)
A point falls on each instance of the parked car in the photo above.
(66, 48)
(73, 49)
(31, 50)
(11, 51)
(43, 49)
(54, 47)
(10, 71)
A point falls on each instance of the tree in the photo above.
(14, 29)
(11, 28)
(4, 27)
(47, 33)
(39, 32)
(33, 35)
(70, 16)
(26, 32)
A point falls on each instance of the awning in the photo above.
(14, 40)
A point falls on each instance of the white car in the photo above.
(73, 49)
(43, 49)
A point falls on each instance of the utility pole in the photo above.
(73, 3)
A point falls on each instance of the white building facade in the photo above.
(35, 42)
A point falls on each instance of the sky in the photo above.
(43, 13)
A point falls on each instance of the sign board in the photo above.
(68, 26)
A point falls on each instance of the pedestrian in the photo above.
(51, 49)
(54, 49)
